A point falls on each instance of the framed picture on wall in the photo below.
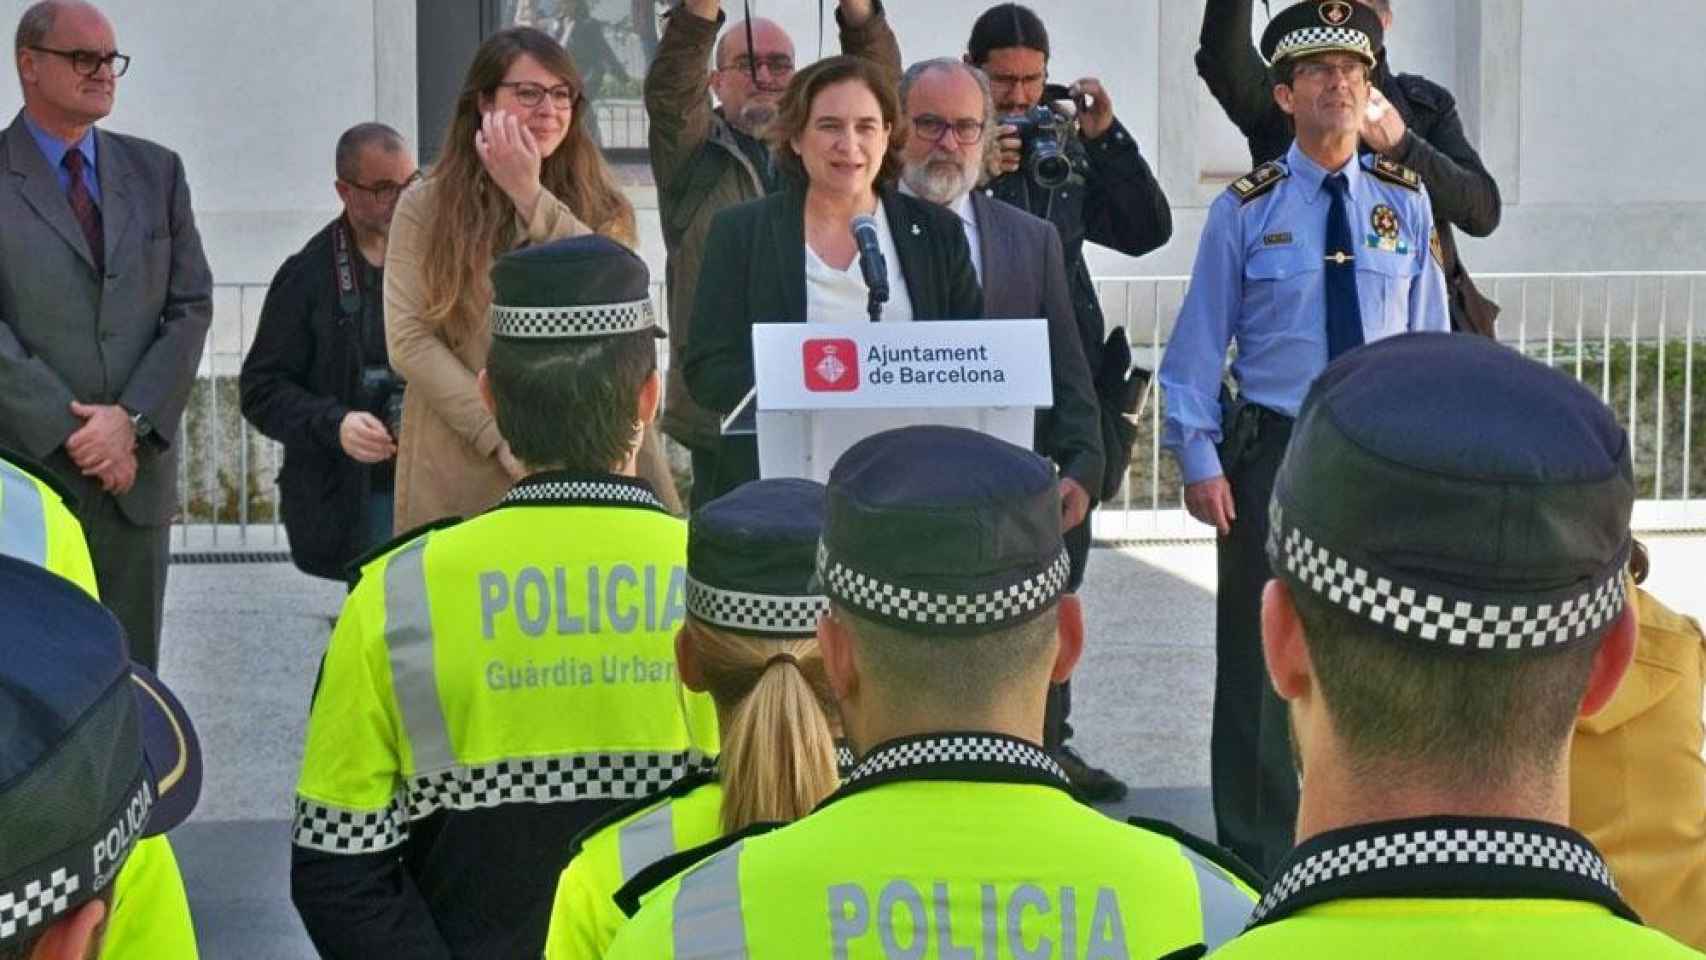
(612, 43)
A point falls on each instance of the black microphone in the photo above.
(871, 262)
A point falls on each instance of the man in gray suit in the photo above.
(1020, 263)
(105, 297)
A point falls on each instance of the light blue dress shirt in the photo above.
(55, 150)
(1259, 279)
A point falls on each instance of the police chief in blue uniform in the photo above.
(1301, 259)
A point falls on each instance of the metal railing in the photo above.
(1629, 336)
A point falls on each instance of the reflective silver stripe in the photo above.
(408, 640)
(708, 922)
(646, 840)
(1225, 908)
(23, 517)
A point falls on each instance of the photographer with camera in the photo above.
(317, 378)
(1063, 156)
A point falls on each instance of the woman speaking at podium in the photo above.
(795, 256)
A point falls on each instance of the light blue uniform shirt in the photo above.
(55, 150)
(1260, 278)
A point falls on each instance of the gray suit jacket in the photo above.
(1024, 277)
(132, 336)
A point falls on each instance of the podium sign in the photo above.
(823, 387)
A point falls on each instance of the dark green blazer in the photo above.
(755, 272)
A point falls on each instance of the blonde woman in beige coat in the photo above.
(517, 168)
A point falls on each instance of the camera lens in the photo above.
(1048, 167)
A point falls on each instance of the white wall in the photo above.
(253, 95)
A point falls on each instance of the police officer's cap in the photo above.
(96, 752)
(751, 556)
(1458, 495)
(1323, 26)
(939, 530)
(575, 288)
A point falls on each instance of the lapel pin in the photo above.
(915, 231)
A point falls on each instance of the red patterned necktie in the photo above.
(83, 207)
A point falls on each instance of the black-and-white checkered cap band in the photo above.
(755, 612)
(1426, 613)
(48, 890)
(1310, 40)
(886, 600)
(564, 323)
(1487, 849)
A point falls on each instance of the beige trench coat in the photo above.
(447, 454)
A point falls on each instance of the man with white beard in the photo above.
(1019, 262)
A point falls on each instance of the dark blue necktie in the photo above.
(1344, 312)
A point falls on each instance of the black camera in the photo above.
(1042, 133)
(382, 396)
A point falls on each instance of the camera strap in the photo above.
(343, 271)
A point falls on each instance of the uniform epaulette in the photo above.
(352, 572)
(39, 470)
(652, 877)
(1214, 853)
(680, 787)
(1395, 173)
(1259, 181)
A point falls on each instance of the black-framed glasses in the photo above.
(385, 191)
(89, 62)
(779, 64)
(531, 95)
(931, 127)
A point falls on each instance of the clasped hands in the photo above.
(104, 447)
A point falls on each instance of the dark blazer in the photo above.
(755, 272)
(1024, 277)
(131, 336)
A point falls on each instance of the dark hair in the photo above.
(1640, 562)
(1470, 721)
(358, 138)
(794, 111)
(1006, 25)
(570, 403)
(969, 673)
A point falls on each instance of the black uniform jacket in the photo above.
(755, 272)
(1112, 199)
(1462, 192)
(300, 378)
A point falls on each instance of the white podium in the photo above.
(821, 388)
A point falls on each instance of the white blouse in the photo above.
(840, 296)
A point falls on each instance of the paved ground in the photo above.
(243, 642)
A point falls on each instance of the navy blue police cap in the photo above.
(1323, 26)
(569, 289)
(95, 753)
(940, 530)
(751, 559)
(1456, 494)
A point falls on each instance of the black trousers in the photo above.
(1056, 727)
(1254, 776)
(130, 569)
(704, 476)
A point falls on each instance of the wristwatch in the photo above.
(142, 426)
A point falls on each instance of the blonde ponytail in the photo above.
(778, 751)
